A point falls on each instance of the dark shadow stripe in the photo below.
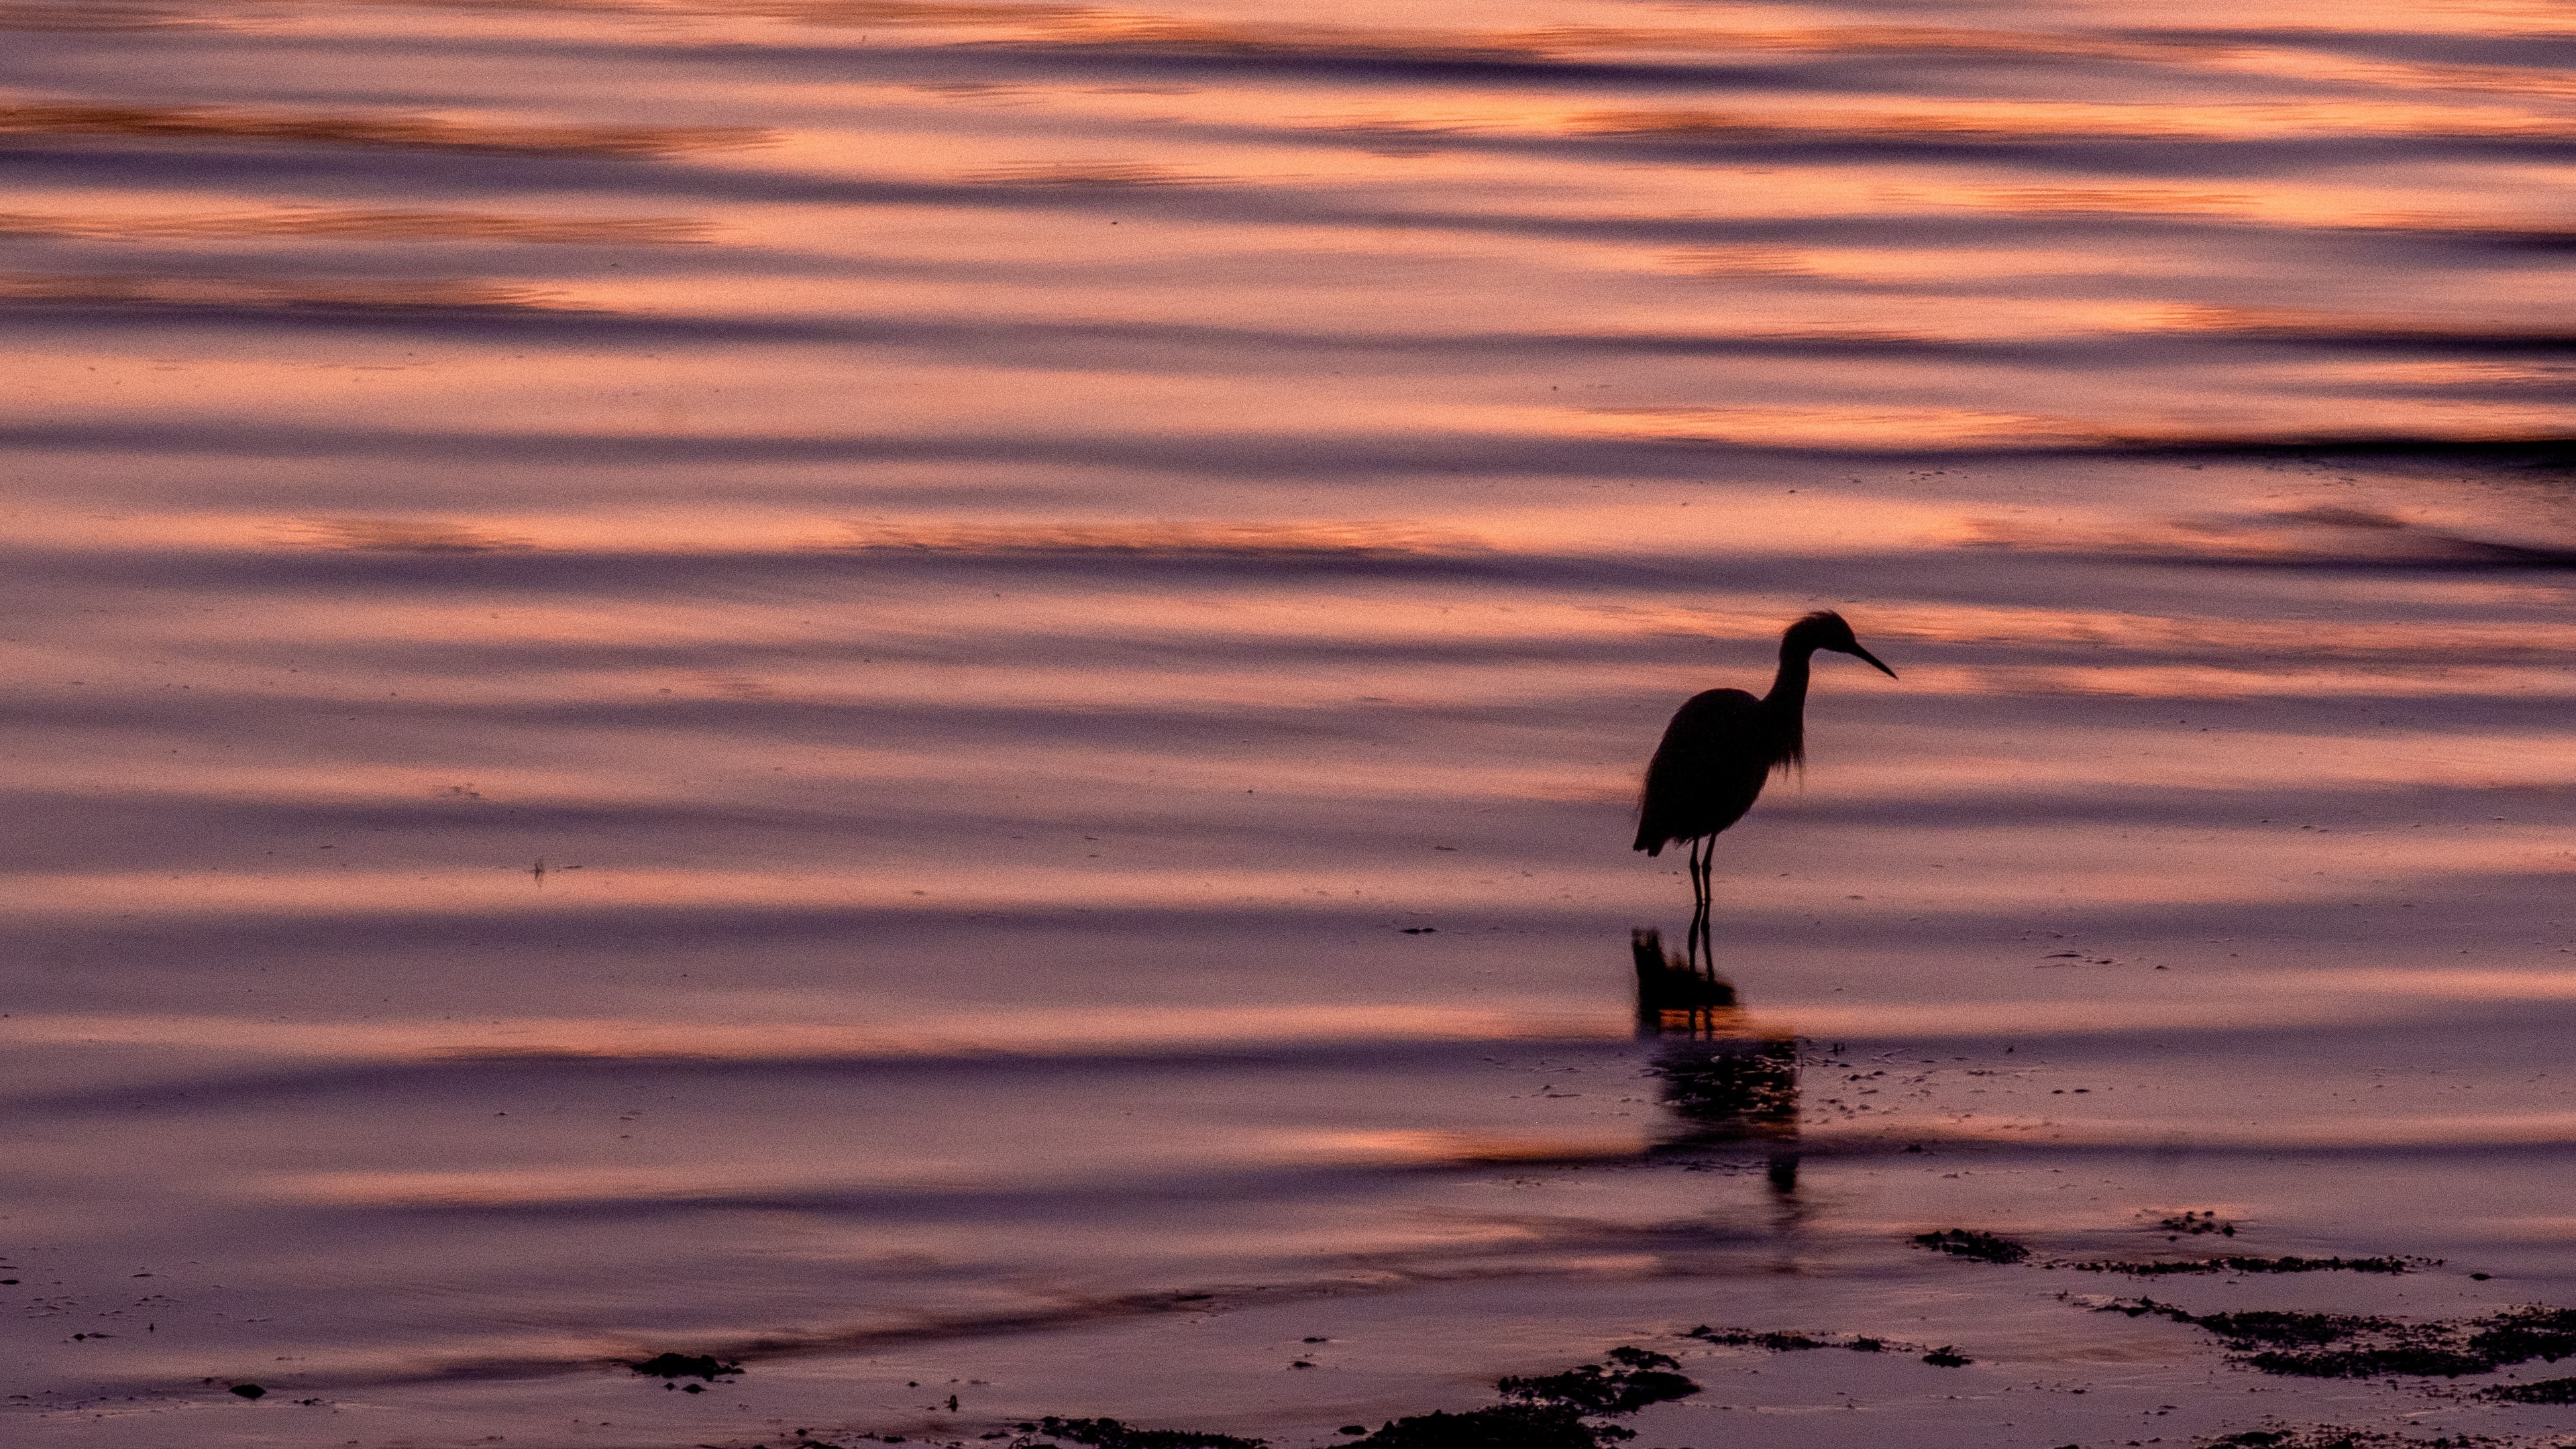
(505, 1073)
(326, 178)
(206, 941)
(1179, 344)
(1235, 455)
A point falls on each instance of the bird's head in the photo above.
(1825, 629)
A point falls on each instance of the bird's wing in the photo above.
(1706, 772)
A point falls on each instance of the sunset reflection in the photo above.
(945, 697)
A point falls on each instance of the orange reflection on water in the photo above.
(1419, 1147)
(79, 15)
(2310, 322)
(1855, 425)
(130, 290)
(1868, 40)
(2462, 643)
(1089, 173)
(2164, 200)
(933, 1168)
(2394, 200)
(2351, 536)
(2532, 82)
(1751, 261)
(2386, 758)
(1359, 538)
(2022, 120)
(2397, 679)
(402, 536)
(2449, 372)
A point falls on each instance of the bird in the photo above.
(1722, 745)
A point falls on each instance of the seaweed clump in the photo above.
(1988, 1248)
(2355, 1346)
(1943, 1357)
(1110, 1434)
(1968, 1243)
(2193, 1224)
(1503, 1426)
(1776, 1342)
(1640, 1377)
(687, 1366)
(2252, 1265)
(2330, 1436)
(2542, 1391)
(2519, 1335)
(1548, 1412)
(1551, 1410)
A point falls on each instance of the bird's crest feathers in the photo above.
(1823, 621)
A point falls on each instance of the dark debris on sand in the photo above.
(1968, 1243)
(2330, 1436)
(2355, 1346)
(1988, 1248)
(2193, 1224)
(2256, 1265)
(687, 1366)
(1551, 1410)
(1550, 1413)
(1110, 1434)
(2542, 1391)
(1504, 1426)
(1946, 1356)
(1640, 1377)
(1747, 1338)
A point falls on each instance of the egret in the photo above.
(1723, 744)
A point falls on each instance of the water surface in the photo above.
(946, 696)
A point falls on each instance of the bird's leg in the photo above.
(1701, 850)
(1708, 903)
(1699, 901)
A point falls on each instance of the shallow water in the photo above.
(945, 696)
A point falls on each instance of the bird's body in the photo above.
(1723, 745)
(1710, 768)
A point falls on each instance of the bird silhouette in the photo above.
(1720, 748)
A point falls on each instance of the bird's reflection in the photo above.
(1723, 1080)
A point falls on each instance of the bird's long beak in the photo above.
(1872, 660)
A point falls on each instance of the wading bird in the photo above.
(1722, 746)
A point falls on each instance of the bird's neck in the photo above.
(1789, 686)
(1785, 707)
